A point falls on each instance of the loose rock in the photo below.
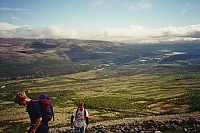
(191, 125)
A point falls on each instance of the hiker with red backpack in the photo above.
(80, 114)
(40, 112)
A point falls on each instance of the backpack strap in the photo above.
(32, 101)
(52, 111)
(77, 111)
(84, 112)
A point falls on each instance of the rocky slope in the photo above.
(153, 124)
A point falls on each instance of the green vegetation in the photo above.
(106, 98)
(120, 85)
(191, 98)
(28, 59)
(15, 127)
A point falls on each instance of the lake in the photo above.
(86, 77)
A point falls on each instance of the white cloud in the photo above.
(27, 11)
(185, 8)
(10, 9)
(132, 34)
(142, 4)
(7, 27)
(97, 2)
(15, 18)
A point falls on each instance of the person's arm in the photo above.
(72, 121)
(37, 123)
(87, 123)
(37, 114)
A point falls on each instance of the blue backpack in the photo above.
(46, 108)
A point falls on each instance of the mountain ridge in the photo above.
(18, 55)
(23, 58)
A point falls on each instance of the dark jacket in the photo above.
(34, 111)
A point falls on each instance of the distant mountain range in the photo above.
(30, 58)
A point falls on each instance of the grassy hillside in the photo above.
(35, 58)
(108, 95)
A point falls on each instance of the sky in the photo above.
(127, 21)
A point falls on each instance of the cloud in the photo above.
(97, 2)
(142, 4)
(10, 9)
(15, 18)
(16, 9)
(7, 27)
(29, 12)
(185, 8)
(131, 34)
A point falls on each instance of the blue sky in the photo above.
(109, 17)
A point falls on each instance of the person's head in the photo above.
(81, 105)
(20, 98)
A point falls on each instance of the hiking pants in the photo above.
(77, 129)
(40, 129)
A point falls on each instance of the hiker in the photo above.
(38, 124)
(80, 115)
